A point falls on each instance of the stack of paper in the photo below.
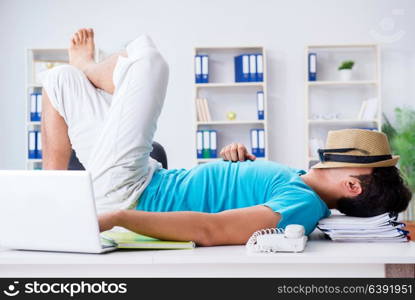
(381, 228)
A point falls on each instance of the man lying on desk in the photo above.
(108, 113)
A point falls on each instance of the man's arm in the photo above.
(230, 227)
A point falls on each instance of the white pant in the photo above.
(113, 134)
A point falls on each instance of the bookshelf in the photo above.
(224, 95)
(333, 104)
(37, 61)
(235, 84)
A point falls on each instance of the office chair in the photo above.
(158, 154)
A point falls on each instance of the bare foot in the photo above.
(82, 49)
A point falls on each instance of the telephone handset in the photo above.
(292, 239)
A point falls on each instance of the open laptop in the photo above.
(49, 210)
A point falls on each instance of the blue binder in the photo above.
(205, 68)
(242, 68)
(38, 107)
(254, 142)
(261, 143)
(252, 68)
(312, 67)
(31, 143)
(38, 151)
(199, 144)
(198, 69)
(259, 67)
(33, 104)
(206, 144)
(213, 144)
(260, 105)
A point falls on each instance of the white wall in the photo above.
(283, 27)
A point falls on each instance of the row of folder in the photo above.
(202, 68)
(34, 144)
(258, 142)
(35, 107)
(249, 67)
(381, 228)
(206, 144)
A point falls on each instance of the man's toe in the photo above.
(83, 36)
(77, 38)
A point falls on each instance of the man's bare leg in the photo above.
(81, 55)
(55, 141)
(57, 147)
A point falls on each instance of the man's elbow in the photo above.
(206, 242)
(208, 235)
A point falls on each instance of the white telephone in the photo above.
(292, 239)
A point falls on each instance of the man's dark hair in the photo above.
(382, 191)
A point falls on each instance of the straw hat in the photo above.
(356, 148)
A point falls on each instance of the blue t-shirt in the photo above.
(218, 186)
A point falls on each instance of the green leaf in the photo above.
(346, 65)
(402, 140)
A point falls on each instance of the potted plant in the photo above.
(345, 70)
(402, 140)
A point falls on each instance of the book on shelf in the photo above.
(203, 112)
(199, 111)
(381, 228)
(369, 109)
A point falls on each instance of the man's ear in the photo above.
(352, 186)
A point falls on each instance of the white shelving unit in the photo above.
(340, 100)
(225, 95)
(37, 60)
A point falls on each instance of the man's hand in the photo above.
(108, 220)
(236, 152)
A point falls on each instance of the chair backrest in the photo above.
(158, 154)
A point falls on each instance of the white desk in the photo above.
(321, 258)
